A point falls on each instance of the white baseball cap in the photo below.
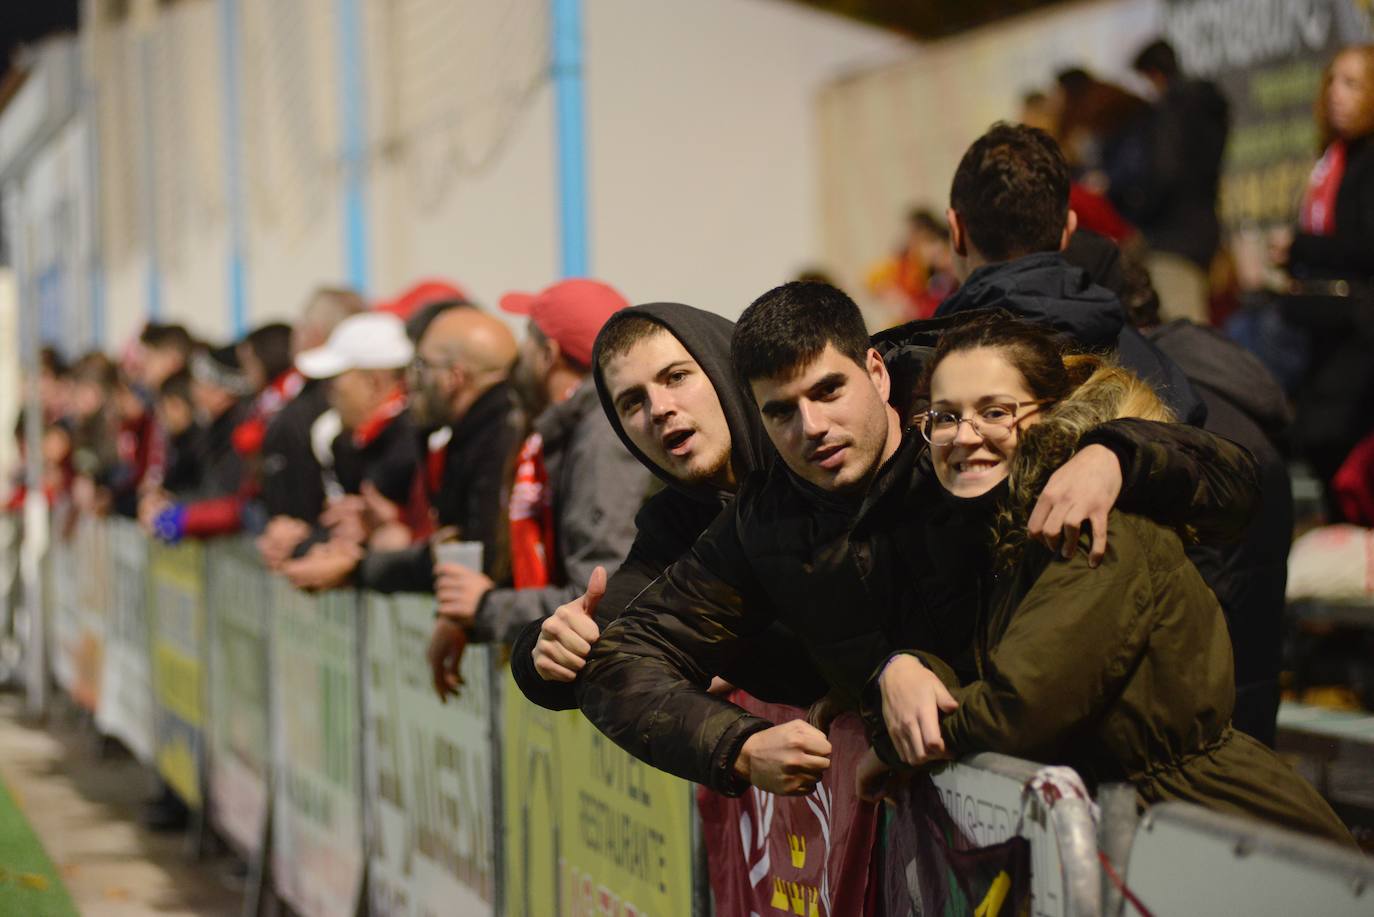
(371, 340)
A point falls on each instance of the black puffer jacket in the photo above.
(775, 668)
(838, 573)
(1045, 288)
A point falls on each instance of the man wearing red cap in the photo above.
(576, 489)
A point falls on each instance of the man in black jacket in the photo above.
(818, 542)
(1009, 219)
(1175, 207)
(663, 375)
(576, 488)
(293, 491)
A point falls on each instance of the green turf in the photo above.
(29, 885)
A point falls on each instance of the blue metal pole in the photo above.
(233, 168)
(154, 274)
(94, 265)
(571, 148)
(353, 104)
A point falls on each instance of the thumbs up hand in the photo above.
(566, 636)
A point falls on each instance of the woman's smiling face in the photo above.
(978, 385)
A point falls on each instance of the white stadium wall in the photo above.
(701, 149)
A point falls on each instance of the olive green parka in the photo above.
(1123, 672)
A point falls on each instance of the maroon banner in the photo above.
(807, 855)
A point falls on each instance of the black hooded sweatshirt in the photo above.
(775, 668)
(1045, 288)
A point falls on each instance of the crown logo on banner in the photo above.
(803, 900)
(797, 844)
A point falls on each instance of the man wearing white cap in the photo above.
(292, 477)
(375, 454)
(365, 360)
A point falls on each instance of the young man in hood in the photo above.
(663, 376)
(1009, 220)
(818, 543)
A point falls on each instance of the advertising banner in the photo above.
(1267, 57)
(590, 831)
(92, 577)
(176, 598)
(125, 708)
(430, 771)
(238, 595)
(317, 819)
(63, 600)
(812, 855)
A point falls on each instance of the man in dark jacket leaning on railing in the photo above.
(816, 542)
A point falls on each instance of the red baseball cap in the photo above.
(421, 294)
(571, 312)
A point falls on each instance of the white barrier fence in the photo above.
(307, 730)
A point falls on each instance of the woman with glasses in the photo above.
(1121, 670)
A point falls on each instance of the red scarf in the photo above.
(1318, 214)
(381, 418)
(531, 518)
(420, 515)
(156, 472)
(248, 436)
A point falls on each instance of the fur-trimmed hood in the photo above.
(1108, 393)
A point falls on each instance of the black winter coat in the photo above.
(292, 480)
(221, 467)
(1336, 400)
(1175, 206)
(1348, 253)
(472, 497)
(388, 461)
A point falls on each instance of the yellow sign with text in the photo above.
(590, 831)
(176, 587)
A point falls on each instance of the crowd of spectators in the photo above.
(963, 528)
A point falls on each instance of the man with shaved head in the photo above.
(458, 393)
(576, 488)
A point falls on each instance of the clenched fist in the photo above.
(788, 760)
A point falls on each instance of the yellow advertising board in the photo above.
(176, 590)
(590, 831)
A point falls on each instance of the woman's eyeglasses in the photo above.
(992, 422)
